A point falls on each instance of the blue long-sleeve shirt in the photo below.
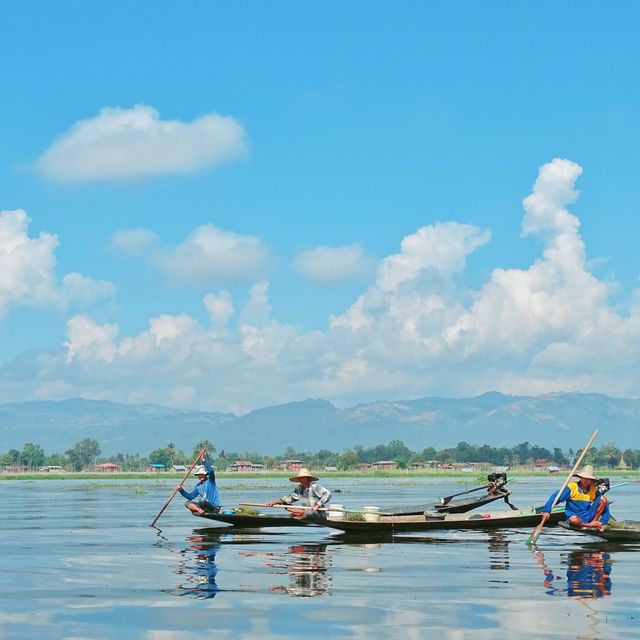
(207, 489)
(578, 502)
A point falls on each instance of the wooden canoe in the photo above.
(256, 521)
(428, 522)
(619, 530)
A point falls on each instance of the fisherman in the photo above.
(585, 505)
(205, 497)
(309, 492)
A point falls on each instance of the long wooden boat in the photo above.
(495, 491)
(428, 522)
(256, 520)
(618, 531)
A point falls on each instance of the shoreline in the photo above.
(162, 475)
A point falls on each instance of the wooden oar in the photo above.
(295, 506)
(535, 534)
(166, 504)
(282, 506)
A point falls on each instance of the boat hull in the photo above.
(255, 521)
(622, 531)
(495, 520)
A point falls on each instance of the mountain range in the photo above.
(562, 420)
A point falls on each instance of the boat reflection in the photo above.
(305, 565)
(498, 545)
(588, 574)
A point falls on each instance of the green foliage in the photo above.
(348, 460)
(10, 459)
(129, 461)
(57, 460)
(161, 456)
(32, 456)
(83, 454)
(203, 444)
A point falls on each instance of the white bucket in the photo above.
(336, 512)
(371, 514)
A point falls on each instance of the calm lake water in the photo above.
(80, 561)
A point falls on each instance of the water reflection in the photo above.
(305, 565)
(588, 574)
(197, 567)
(498, 544)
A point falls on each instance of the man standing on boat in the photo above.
(205, 497)
(585, 505)
(309, 493)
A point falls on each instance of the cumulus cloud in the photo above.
(211, 255)
(27, 269)
(26, 264)
(121, 144)
(415, 287)
(334, 264)
(257, 309)
(416, 330)
(441, 249)
(556, 299)
(220, 307)
(85, 290)
(89, 341)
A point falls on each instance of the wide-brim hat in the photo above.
(587, 472)
(200, 471)
(303, 473)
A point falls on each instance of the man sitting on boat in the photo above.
(205, 497)
(309, 493)
(585, 505)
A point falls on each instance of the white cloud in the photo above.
(26, 264)
(415, 331)
(258, 309)
(133, 242)
(89, 341)
(441, 249)
(334, 264)
(211, 255)
(82, 289)
(556, 300)
(27, 269)
(414, 287)
(121, 144)
(220, 307)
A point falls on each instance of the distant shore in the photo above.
(148, 475)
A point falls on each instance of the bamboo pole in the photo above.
(166, 504)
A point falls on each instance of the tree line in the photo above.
(86, 453)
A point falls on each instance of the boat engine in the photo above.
(603, 485)
(496, 481)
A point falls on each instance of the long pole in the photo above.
(295, 506)
(166, 504)
(536, 532)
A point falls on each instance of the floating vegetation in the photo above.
(245, 511)
(355, 517)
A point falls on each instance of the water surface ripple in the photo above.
(81, 561)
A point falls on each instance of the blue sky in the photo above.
(231, 205)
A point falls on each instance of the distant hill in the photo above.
(562, 420)
(140, 428)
